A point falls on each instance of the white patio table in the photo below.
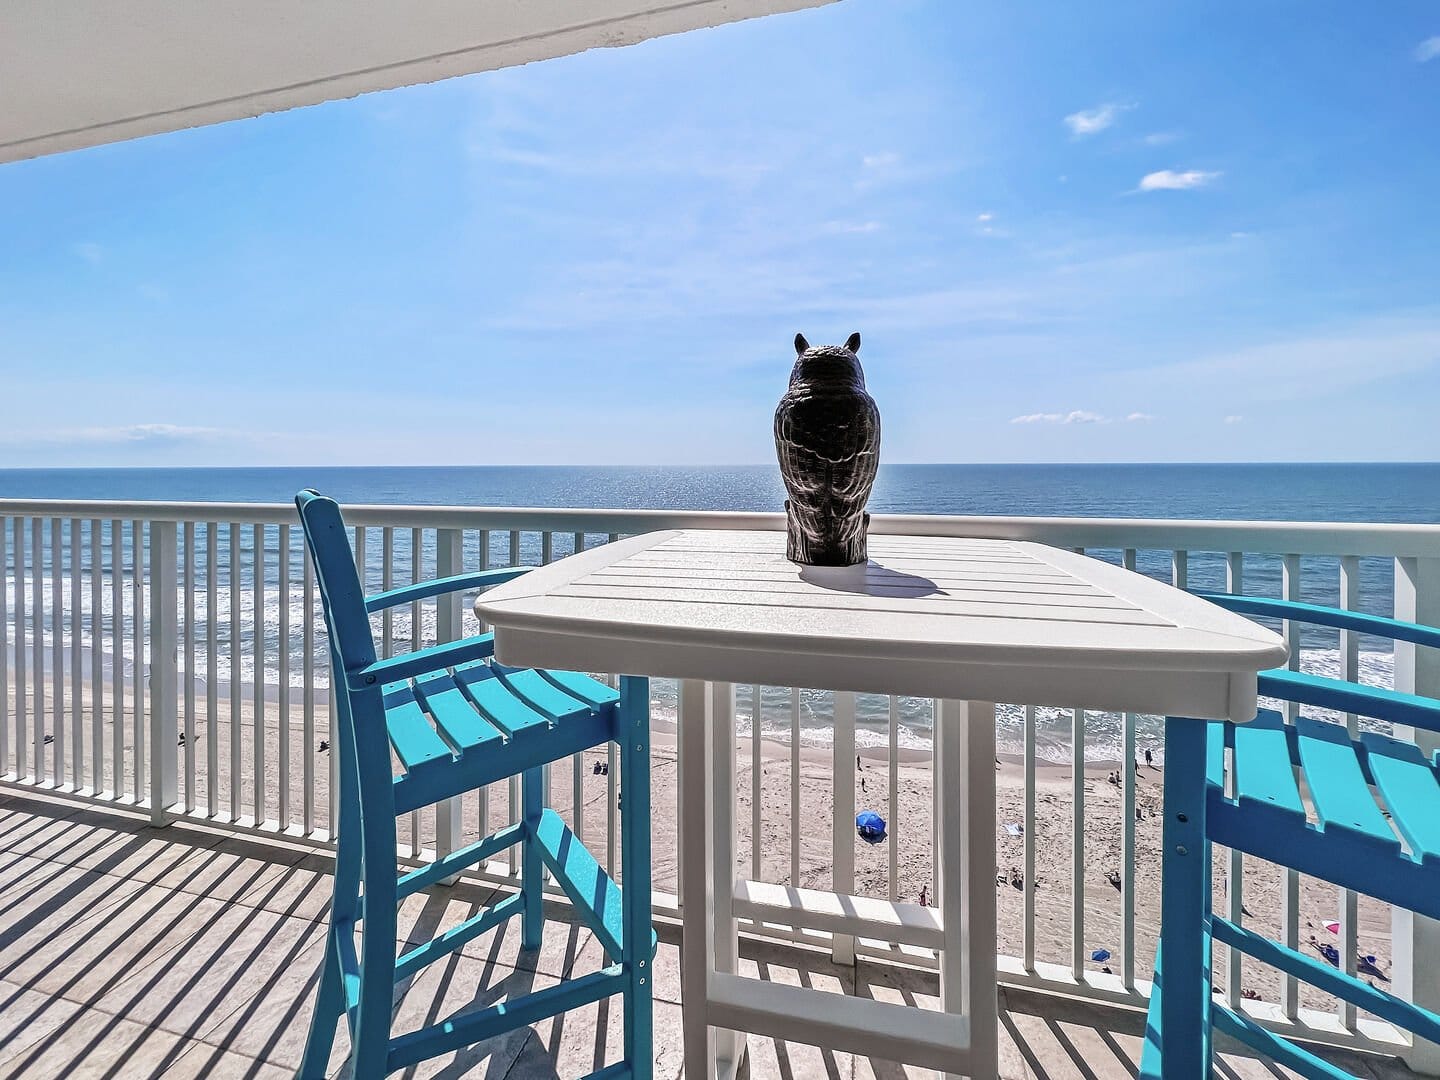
(966, 621)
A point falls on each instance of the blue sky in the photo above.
(1142, 231)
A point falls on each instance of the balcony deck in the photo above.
(128, 951)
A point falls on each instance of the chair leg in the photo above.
(371, 1044)
(1185, 1033)
(329, 1006)
(634, 739)
(531, 877)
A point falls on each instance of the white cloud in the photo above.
(1092, 121)
(1169, 180)
(880, 161)
(1233, 419)
(1239, 235)
(987, 216)
(1428, 49)
(1074, 416)
(1139, 418)
(1161, 138)
(90, 252)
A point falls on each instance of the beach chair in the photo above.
(1361, 811)
(453, 721)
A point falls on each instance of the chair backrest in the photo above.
(341, 594)
(360, 735)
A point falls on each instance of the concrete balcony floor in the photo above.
(132, 952)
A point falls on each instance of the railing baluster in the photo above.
(892, 766)
(1077, 844)
(387, 582)
(1127, 832)
(797, 824)
(137, 669)
(189, 571)
(282, 665)
(449, 626)
(307, 642)
(417, 574)
(21, 682)
(1350, 672)
(37, 656)
(257, 685)
(57, 655)
(757, 772)
(97, 660)
(1235, 873)
(236, 690)
(212, 668)
(163, 627)
(117, 659)
(1027, 827)
(4, 647)
(75, 621)
(842, 828)
(1290, 887)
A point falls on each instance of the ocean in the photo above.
(1401, 493)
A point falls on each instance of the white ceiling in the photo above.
(76, 73)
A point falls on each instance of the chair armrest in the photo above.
(408, 665)
(1315, 614)
(480, 579)
(1373, 701)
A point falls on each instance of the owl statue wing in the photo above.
(831, 445)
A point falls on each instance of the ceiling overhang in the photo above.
(85, 72)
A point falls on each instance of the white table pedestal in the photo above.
(720, 1006)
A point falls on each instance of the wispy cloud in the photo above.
(1428, 49)
(1093, 121)
(1078, 416)
(1169, 180)
(1234, 418)
(886, 160)
(853, 226)
(91, 252)
(1074, 416)
(122, 435)
(1161, 138)
(987, 216)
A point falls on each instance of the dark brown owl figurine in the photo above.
(827, 436)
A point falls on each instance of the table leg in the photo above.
(710, 939)
(965, 852)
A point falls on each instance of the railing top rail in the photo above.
(1277, 537)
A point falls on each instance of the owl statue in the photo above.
(827, 436)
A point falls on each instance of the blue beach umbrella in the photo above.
(1100, 955)
(870, 826)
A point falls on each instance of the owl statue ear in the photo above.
(801, 345)
(853, 342)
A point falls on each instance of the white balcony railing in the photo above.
(168, 656)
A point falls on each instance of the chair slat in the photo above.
(1408, 784)
(540, 694)
(1263, 772)
(453, 713)
(596, 897)
(416, 743)
(595, 694)
(497, 703)
(1337, 783)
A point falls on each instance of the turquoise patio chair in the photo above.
(1364, 795)
(453, 722)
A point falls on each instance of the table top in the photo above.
(992, 620)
